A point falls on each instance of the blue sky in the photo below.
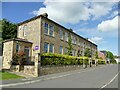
(97, 21)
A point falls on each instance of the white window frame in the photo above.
(60, 49)
(28, 48)
(53, 48)
(47, 47)
(66, 36)
(50, 30)
(46, 28)
(18, 48)
(61, 33)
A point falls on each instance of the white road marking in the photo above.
(109, 81)
(55, 77)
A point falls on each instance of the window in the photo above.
(51, 30)
(61, 50)
(27, 51)
(17, 48)
(74, 52)
(73, 39)
(66, 36)
(20, 27)
(45, 28)
(45, 47)
(79, 42)
(66, 50)
(25, 30)
(61, 34)
(51, 48)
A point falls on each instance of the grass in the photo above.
(7, 76)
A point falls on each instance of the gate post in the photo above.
(37, 65)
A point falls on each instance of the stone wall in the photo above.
(7, 54)
(15, 68)
(55, 39)
(44, 70)
(30, 70)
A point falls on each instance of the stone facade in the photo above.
(10, 49)
(7, 55)
(33, 30)
(32, 34)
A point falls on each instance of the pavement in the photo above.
(105, 76)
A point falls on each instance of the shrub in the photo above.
(19, 58)
(100, 61)
(58, 59)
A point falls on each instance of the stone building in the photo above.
(101, 55)
(41, 35)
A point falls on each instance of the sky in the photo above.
(97, 21)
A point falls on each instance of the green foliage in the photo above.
(110, 55)
(19, 58)
(100, 61)
(58, 59)
(70, 48)
(8, 29)
(113, 61)
(87, 52)
(7, 76)
(96, 55)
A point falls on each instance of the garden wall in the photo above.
(44, 70)
(30, 70)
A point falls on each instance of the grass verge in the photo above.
(7, 76)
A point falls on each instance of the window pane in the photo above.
(66, 50)
(45, 47)
(17, 48)
(46, 28)
(51, 48)
(73, 52)
(61, 34)
(66, 36)
(51, 28)
(61, 50)
(25, 30)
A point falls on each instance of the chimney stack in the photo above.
(71, 29)
(45, 15)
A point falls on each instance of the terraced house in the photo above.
(41, 35)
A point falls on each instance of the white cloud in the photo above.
(96, 40)
(73, 12)
(109, 25)
(115, 13)
(100, 9)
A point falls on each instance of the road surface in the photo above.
(100, 77)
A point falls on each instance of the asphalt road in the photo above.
(100, 77)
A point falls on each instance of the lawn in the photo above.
(7, 76)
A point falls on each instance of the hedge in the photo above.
(100, 61)
(58, 59)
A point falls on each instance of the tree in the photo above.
(9, 30)
(19, 59)
(70, 48)
(87, 52)
(111, 57)
(96, 55)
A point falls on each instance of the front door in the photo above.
(27, 53)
